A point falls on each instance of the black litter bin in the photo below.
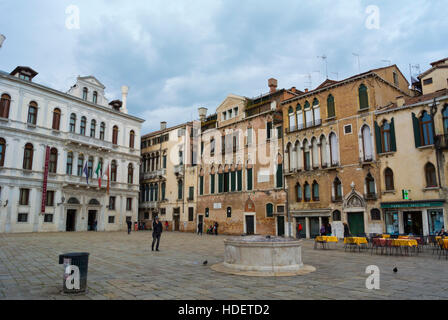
(81, 260)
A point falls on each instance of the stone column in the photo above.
(307, 224)
(400, 222)
(425, 222)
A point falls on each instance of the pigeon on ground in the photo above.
(395, 270)
(205, 262)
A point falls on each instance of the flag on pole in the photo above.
(98, 174)
(108, 178)
(86, 172)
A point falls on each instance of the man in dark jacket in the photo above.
(129, 222)
(200, 228)
(157, 229)
(216, 228)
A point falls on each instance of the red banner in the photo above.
(44, 188)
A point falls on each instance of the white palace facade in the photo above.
(61, 136)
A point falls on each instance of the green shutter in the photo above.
(240, 180)
(417, 134)
(249, 179)
(233, 180)
(201, 185)
(393, 144)
(279, 176)
(363, 97)
(212, 184)
(379, 148)
(163, 191)
(220, 183)
(269, 210)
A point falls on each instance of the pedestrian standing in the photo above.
(200, 228)
(346, 230)
(157, 229)
(167, 225)
(329, 231)
(299, 230)
(129, 223)
(216, 228)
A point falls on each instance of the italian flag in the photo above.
(98, 174)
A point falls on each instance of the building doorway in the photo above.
(413, 222)
(200, 221)
(302, 233)
(314, 227)
(280, 226)
(356, 223)
(92, 222)
(250, 224)
(71, 221)
(176, 217)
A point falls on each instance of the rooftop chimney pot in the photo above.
(163, 125)
(272, 83)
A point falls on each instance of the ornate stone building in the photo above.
(50, 142)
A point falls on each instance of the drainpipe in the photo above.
(433, 113)
(284, 183)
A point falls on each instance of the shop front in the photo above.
(311, 221)
(414, 217)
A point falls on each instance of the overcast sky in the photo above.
(179, 55)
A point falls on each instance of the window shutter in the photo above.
(417, 134)
(279, 176)
(393, 144)
(233, 180)
(249, 179)
(379, 148)
(201, 184)
(240, 180)
(220, 182)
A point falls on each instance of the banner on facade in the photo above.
(44, 187)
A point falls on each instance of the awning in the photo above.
(413, 204)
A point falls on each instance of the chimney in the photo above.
(272, 83)
(124, 96)
(163, 125)
(293, 89)
(202, 113)
(400, 101)
(306, 90)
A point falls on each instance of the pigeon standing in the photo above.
(395, 270)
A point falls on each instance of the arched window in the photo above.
(334, 150)
(389, 178)
(113, 171)
(298, 192)
(32, 113)
(95, 97)
(5, 102)
(323, 152)
(72, 122)
(292, 119)
(82, 129)
(80, 165)
(102, 130)
(308, 114)
(316, 112)
(430, 174)
(130, 174)
(2, 152)
(331, 112)
(363, 97)
(337, 189)
(300, 120)
(92, 128)
(269, 210)
(307, 192)
(53, 163)
(115, 135)
(426, 129)
(445, 119)
(367, 144)
(56, 119)
(315, 150)
(90, 167)
(336, 215)
(69, 168)
(28, 157)
(315, 191)
(131, 139)
(385, 137)
(306, 156)
(84, 93)
(370, 186)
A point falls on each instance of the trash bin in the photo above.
(81, 260)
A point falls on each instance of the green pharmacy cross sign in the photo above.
(406, 194)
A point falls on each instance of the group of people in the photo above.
(325, 229)
(213, 229)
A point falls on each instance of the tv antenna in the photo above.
(359, 62)
(309, 83)
(388, 62)
(324, 59)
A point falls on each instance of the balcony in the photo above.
(441, 142)
(302, 126)
(89, 141)
(370, 196)
(336, 199)
(179, 169)
(148, 205)
(154, 174)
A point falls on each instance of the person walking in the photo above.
(129, 223)
(200, 228)
(157, 230)
(299, 231)
(216, 228)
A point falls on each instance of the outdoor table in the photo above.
(355, 241)
(403, 237)
(323, 240)
(404, 243)
(385, 236)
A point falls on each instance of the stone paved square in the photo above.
(122, 266)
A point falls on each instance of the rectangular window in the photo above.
(279, 183)
(396, 79)
(190, 193)
(279, 132)
(48, 218)
(24, 197)
(212, 184)
(201, 185)
(128, 204)
(220, 182)
(50, 199)
(164, 162)
(111, 219)
(111, 203)
(427, 81)
(226, 182)
(268, 130)
(163, 211)
(22, 217)
(179, 190)
(190, 214)
(240, 180)
(348, 129)
(249, 179)
(249, 136)
(233, 181)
